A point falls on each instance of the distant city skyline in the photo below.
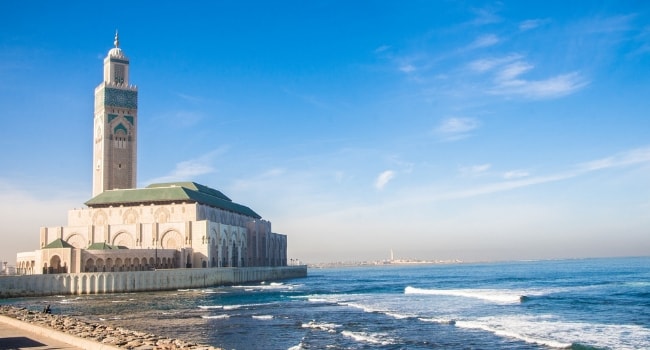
(496, 130)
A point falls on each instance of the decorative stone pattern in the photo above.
(101, 333)
(121, 98)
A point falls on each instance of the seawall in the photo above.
(140, 281)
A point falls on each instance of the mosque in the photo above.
(179, 225)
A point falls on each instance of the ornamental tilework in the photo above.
(129, 119)
(121, 98)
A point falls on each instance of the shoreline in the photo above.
(90, 335)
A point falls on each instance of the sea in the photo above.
(560, 304)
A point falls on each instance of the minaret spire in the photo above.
(117, 39)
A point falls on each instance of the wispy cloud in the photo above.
(474, 170)
(531, 24)
(515, 174)
(259, 180)
(457, 128)
(381, 49)
(521, 178)
(557, 86)
(508, 80)
(190, 98)
(191, 168)
(484, 41)
(487, 64)
(485, 16)
(383, 179)
(635, 156)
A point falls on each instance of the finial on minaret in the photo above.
(117, 39)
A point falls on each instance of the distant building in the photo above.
(162, 226)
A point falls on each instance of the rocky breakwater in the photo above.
(103, 334)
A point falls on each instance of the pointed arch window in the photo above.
(120, 136)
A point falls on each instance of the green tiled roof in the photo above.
(178, 192)
(101, 246)
(58, 243)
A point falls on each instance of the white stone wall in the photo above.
(137, 281)
(208, 237)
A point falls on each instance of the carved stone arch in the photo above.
(100, 218)
(161, 215)
(242, 239)
(76, 240)
(171, 240)
(130, 216)
(123, 238)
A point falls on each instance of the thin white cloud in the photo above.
(189, 169)
(452, 129)
(475, 170)
(487, 64)
(383, 179)
(407, 68)
(382, 48)
(531, 24)
(515, 174)
(260, 180)
(509, 72)
(623, 159)
(557, 86)
(190, 98)
(508, 80)
(484, 41)
(635, 156)
(485, 16)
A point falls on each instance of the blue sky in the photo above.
(483, 130)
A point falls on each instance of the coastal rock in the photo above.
(114, 336)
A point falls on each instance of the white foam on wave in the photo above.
(317, 300)
(438, 320)
(208, 307)
(242, 306)
(263, 317)
(323, 326)
(264, 286)
(556, 333)
(297, 347)
(365, 308)
(371, 338)
(492, 295)
(398, 315)
(218, 317)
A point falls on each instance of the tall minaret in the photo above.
(116, 125)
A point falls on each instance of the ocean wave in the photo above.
(218, 317)
(438, 320)
(264, 286)
(328, 327)
(365, 308)
(397, 315)
(553, 332)
(263, 317)
(208, 307)
(492, 295)
(371, 338)
(243, 306)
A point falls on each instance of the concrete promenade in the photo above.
(15, 334)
